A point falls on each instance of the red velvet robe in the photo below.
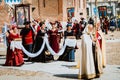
(99, 39)
(13, 58)
(38, 28)
(54, 43)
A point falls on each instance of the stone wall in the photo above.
(4, 18)
(36, 12)
(50, 9)
(57, 9)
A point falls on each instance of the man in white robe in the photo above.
(90, 59)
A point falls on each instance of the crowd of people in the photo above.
(92, 58)
(111, 24)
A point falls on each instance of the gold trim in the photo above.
(71, 37)
(85, 76)
(91, 76)
(28, 37)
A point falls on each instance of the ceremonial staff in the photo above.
(95, 13)
(95, 19)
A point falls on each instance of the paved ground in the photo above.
(58, 70)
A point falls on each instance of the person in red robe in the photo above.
(27, 34)
(106, 25)
(53, 34)
(13, 58)
(76, 29)
(101, 41)
(99, 38)
(60, 32)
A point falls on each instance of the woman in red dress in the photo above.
(13, 58)
(53, 38)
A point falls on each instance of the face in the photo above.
(90, 28)
(53, 26)
(69, 27)
(98, 24)
(43, 26)
(27, 25)
(10, 27)
(15, 29)
(76, 21)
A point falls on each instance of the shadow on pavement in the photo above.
(1, 64)
(28, 63)
(70, 66)
(71, 76)
(118, 67)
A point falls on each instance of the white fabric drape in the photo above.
(15, 44)
(34, 54)
(18, 45)
(68, 42)
(71, 42)
(52, 51)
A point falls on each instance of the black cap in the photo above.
(27, 22)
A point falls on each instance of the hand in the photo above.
(94, 39)
(35, 33)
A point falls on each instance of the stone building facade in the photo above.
(109, 5)
(57, 9)
(46, 9)
(4, 18)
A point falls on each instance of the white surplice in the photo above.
(87, 67)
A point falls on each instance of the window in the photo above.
(44, 3)
(70, 12)
(87, 11)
